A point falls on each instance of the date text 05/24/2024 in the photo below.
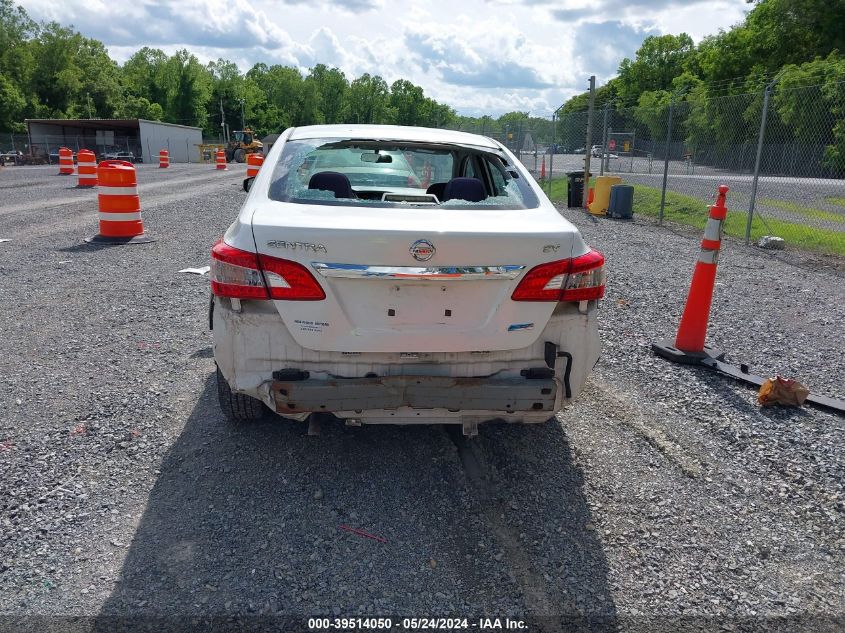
(416, 624)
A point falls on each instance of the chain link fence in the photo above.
(780, 149)
(45, 149)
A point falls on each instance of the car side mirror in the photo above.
(248, 183)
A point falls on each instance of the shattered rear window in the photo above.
(381, 173)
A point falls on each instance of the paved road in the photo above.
(778, 197)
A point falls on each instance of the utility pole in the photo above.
(586, 192)
(243, 120)
(88, 101)
(223, 121)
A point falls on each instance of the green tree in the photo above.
(810, 101)
(408, 101)
(368, 100)
(657, 62)
(188, 86)
(331, 85)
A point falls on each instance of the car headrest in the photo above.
(437, 189)
(332, 181)
(469, 189)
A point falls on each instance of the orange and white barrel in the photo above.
(221, 159)
(120, 206)
(65, 161)
(86, 163)
(253, 164)
(163, 159)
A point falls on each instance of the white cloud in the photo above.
(478, 56)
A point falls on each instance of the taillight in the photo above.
(577, 279)
(244, 275)
(290, 280)
(236, 273)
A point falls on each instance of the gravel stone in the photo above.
(665, 497)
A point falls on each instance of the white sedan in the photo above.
(398, 275)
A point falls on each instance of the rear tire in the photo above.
(240, 156)
(237, 406)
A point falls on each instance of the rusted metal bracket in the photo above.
(742, 374)
(713, 360)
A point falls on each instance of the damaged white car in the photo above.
(397, 275)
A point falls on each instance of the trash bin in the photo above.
(575, 191)
(621, 202)
(601, 199)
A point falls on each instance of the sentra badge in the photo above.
(302, 246)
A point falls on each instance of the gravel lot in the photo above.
(665, 499)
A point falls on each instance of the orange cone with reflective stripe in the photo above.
(65, 161)
(221, 159)
(253, 164)
(87, 168)
(163, 159)
(688, 346)
(693, 328)
(120, 206)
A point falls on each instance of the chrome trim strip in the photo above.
(434, 273)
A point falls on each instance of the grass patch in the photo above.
(693, 212)
(807, 212)
(840, 202)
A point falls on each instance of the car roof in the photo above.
(392, 133)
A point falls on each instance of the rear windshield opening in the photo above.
(352, 172)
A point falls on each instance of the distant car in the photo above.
(121, 155)
(13, 157)
(349, 285)
(579, 150)
(597, 152)
(53, 157)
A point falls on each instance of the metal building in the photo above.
(141, 138)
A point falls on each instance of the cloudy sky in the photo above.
(480, 56)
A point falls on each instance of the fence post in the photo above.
(666, 160)
(603, 139)
(633, 145)
(586, 192)
(552, 152)
(763, 116)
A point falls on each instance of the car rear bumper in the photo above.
(258, 357)
(415, 392)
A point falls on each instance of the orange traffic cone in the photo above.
(543, 169)
(689, 346)
(87, 168)
(221, 159)
(119, 204)
(65, 161)
(253, 164)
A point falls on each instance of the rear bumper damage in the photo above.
(526, 385)
(415, 392)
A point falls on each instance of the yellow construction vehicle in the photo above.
(243, 142)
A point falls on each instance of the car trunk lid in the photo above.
(413, 279)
